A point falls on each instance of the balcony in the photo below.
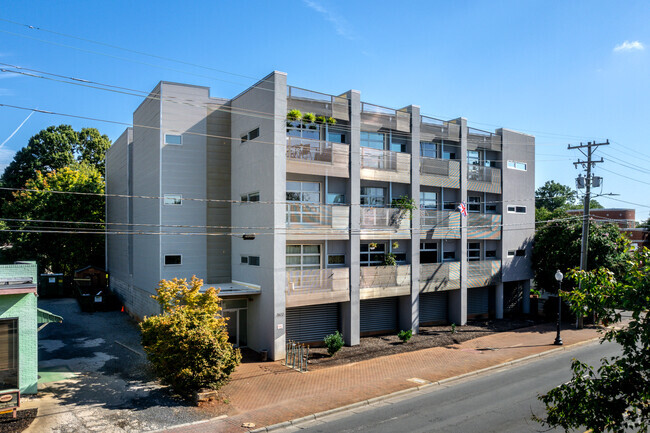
(323, 158)
(317, 221)
(383, 117)
(483, 273)
(439, 224)
(477, 138)
(436, 277)
(323, 104)
(439, 172)
(384, 281)
(378, 222)
(483, 179)
(317, 286)
(431, 128)
(484, 226)
(385, 165)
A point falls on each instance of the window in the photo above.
(490, 208)
(516, 209)
(254, 260)
(303, 257)
(448, 256)
(334, 198)
(374, 140)
(428, 252)
(473, 251)
(173, 259)
(304, 202)
(520, 253)
(176, 140)
(251, 196)
(173, 199)
(449, 205)
(428, 149)
(448, 155)
(8, 353)
(371, 196)
(490, 254)
(474, 204)
(428, 200)
(335, 260)
(251, 135)
(372, 256)
(397, 144)
(516, 165)
(244, 260)
(511, 253)
(473, 157)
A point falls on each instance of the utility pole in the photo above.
(588, 180)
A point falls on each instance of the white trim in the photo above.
(173, 135)
(514, 207)
(514, 165)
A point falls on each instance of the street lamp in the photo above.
(558, 277)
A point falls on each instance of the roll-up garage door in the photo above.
(434, 307)
(312, 323)
(477, 301)
(379, 315)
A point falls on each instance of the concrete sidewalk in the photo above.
(268, 393)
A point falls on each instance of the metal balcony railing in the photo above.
(440, 276)
(481, 173)
(319, 103)
(435, 166)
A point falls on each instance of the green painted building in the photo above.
(19, 321)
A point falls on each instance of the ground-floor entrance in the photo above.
(434, 308)
(311, 324)
(378, 316)
(236, 313)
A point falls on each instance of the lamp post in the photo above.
(558, 277)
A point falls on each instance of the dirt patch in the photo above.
(23, 419)
(429, 336)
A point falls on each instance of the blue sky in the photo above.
(565, 72)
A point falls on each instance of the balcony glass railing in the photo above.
(307, 149)
(481, 173)
(305, 281)
(385, 276)
(383, 217)
(378, 159)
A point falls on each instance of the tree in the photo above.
(53, 148)
(187, 344)
(557, 246)
(553, 195)
(616, 396)
(32, 213)
(644, 224)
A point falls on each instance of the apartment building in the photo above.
(299, 222)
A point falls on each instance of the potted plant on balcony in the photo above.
(404, 203)
(331, 121)
(321, 120)
(294, 115)
(372, 245)
(309, 118)
(390, 260)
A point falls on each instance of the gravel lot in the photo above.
(98, 379)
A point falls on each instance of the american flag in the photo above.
(462, 208)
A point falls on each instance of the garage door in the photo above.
(312, 323)
(434, 307)
(379, 315)
(478, 301)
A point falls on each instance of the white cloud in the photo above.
(629, 46)
(340, 24)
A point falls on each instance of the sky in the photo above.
(566, 72)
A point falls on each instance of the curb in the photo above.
(412, 390)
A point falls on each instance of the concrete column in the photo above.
(525, 302)
(350, 311)
(409, 308)
(458, 298)
(498, 300)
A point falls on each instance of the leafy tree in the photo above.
(616, 396)
(557, 246)
(553, 195)
(644, 224)
(187, 344)
(37, 209)
(53, 148)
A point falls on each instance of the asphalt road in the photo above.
(499, 401)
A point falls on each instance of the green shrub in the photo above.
(334, 342)
(320, 120)
(187, 344)
(309, 117)
(331, 121)
(294, 115)
(405, 335)
(390, 260)
(453, 328)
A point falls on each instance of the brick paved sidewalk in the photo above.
(268, 393)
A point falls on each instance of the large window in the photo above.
(8, 353)
(374, 140)
(429, 149)
(474, 204)
(428, 252)
(372, 196)
(428, 200)
(304, 200)
(517, 165)
(174, 139)
(302, 257)
(372, 256)
(297, 129)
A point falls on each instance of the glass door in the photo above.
(304, 200)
